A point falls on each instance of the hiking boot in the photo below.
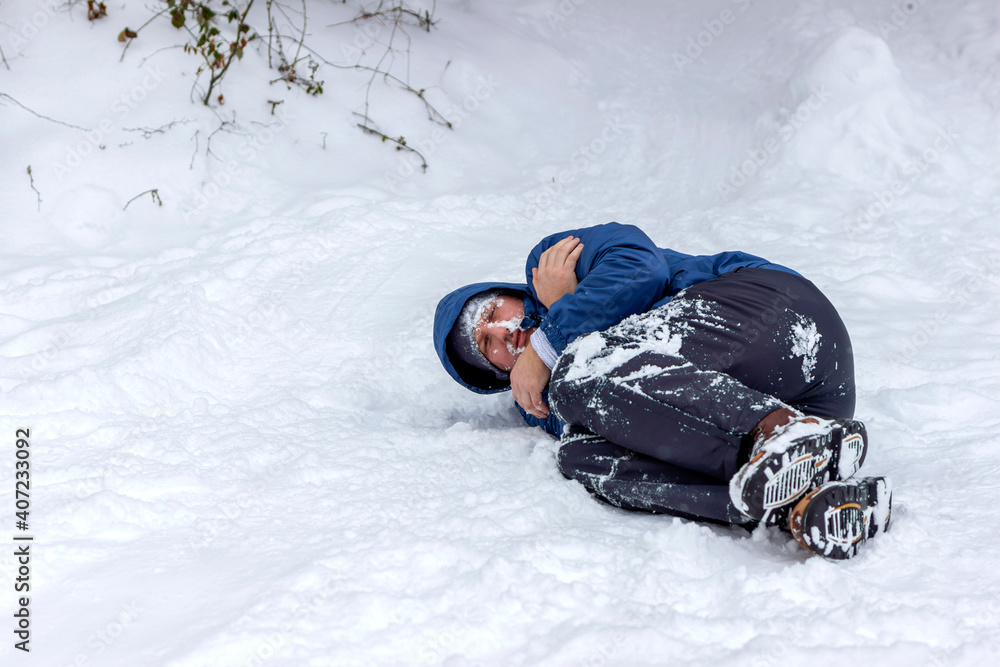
(836, 519)
(795, 459)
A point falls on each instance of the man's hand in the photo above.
(556, 271)
(528, 378)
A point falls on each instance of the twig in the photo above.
(275, 47)
(37, 193)
(154, 192)
(400, 143)
(222, 128)
(136, 32)
(432, 112)
(4, 59)
(377, 69)
(147, 132)
(195, 153)
(270, 33)
(298, 50)
(143, 60)
(38, 115)
(425, 21)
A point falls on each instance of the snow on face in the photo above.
(498, 335)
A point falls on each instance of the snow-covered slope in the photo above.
(243, 449)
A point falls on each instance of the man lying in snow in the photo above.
(716, 388)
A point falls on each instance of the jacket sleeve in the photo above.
(551, 424)
(620, 272)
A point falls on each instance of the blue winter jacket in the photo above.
(620, 272)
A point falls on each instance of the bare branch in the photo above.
(276, 48)
(401, 144)
(37, 193)
(195, 153)
(38, 115)
(223, 127)
(157, 51)
(202, 23)
(154, 192)
(298, 49)
(132, 34)
(148, 132)
(432, 113)
(423, 21)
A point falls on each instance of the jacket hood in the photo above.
(448, 310)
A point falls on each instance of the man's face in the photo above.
(496, 334)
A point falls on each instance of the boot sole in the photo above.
(837, 519)
(774, 480)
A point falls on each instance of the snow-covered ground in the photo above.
(243, 449)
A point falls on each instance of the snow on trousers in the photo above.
(658, 406)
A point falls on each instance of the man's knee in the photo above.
(568, 461)
(584, 457)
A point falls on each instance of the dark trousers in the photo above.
(659, 405)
